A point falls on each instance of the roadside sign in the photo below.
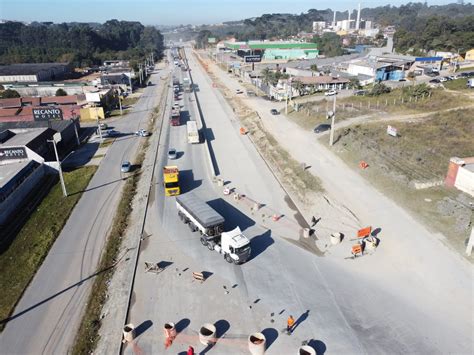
(47, 113)
(391, 131)
(252, 59)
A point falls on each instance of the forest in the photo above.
(80, 44)
(419, 27)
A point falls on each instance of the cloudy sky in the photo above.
(169, 12)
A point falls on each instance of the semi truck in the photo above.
(171, 180)
(175, 116)
(199, 216)
(187, 85)
(192, 131)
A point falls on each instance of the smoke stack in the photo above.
(334, 19)
(349, 17)
(358, 19)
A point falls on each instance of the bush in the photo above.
(9, 94)
(379, 89)
(61, 92)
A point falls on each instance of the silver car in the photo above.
(126, 167)
(172, 154)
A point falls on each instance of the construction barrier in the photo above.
(364, 232)
(356, 249)
(363, 165)
(199, 276)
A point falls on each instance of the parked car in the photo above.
(434, 81)
(172, 154)
(126, 167)
(442, 80)
(330, 93)
(360, 92)
(274, 111)
(323, 127)
(238, 91)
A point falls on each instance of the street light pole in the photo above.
(333, 117)
(61, 178)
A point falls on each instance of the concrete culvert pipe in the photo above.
(129, 332)
(336, 238)
(207, 334)
(257, 342)
(170, 330)
(306, 350)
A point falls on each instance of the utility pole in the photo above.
(56, 139)
(332, 114)
(98, 124)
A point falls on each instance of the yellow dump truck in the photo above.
(171, 180)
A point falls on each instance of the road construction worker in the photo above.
(290, 323)
(190, 351)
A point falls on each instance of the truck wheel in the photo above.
(228, 258)
(181, 216)
(192, 227)
(204, 242)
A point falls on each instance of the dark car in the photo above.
(274, 111)
(434, 81)
(323, 127)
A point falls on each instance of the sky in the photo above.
(170, 12)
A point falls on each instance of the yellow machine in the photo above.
(171, 180)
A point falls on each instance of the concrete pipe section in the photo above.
(306, 350)
(207, 334)
(257, 343)
(129, 332)
(170, 330)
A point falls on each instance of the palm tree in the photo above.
(298, 86)
(267, 75)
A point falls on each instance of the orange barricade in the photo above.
(356, 249)
(363, 165)
(243, 131)
(364, 232)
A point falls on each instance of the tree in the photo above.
(9, 94)
(313, 68)
(267, 75)
(61, 92)
(354, 83)
(298, 86)
(379, 89)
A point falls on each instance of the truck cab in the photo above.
(235, 246)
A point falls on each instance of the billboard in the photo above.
(47, 113)
(92, 97)
(252, 59)
(211, 40)
(13, 153)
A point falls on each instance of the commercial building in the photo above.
(268, 50)
(381, 68)
(461, 174)
(322, 83)
(33, 72)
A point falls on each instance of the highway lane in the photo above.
(47, 317)
(340, 308)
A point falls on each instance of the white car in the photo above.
(330, 93)
(172, 154)
(142, 133)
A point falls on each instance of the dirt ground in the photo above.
(421, 153)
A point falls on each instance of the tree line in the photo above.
(80, 44)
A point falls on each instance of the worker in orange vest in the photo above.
(289, 324)
(190, 351)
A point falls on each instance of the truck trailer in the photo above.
(192, 132)
(199, 216)
(187, 85)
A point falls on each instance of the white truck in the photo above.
(192, 132)
(203, 218)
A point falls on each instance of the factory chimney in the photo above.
(334, 19)
(358, 19)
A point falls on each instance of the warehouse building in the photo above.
(33, 72)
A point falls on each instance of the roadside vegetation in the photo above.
(457, 84)
(420, 153)
(27, 251)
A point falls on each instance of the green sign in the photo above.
(211, 40)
